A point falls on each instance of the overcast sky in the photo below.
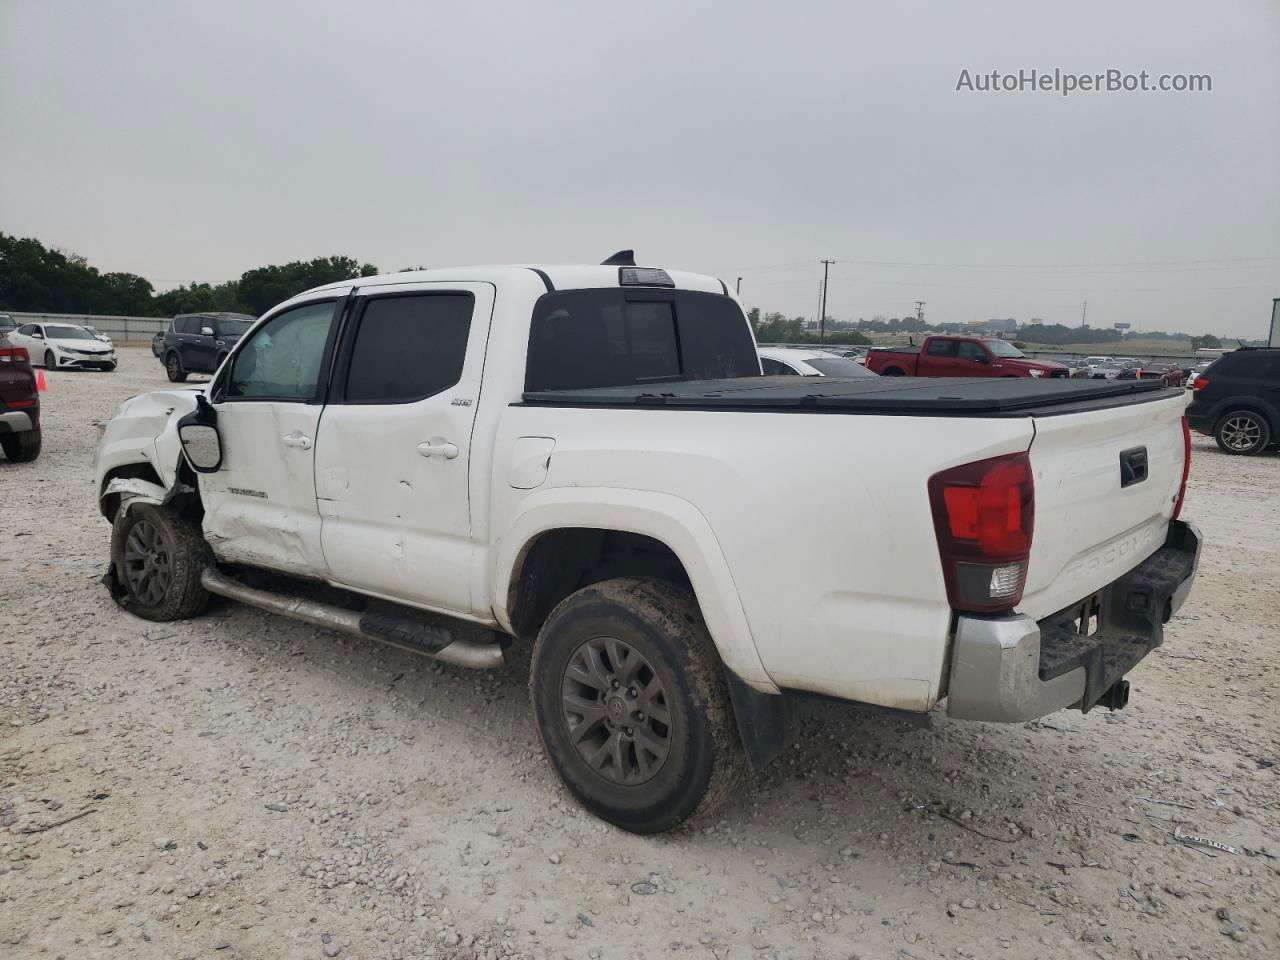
(191, 141)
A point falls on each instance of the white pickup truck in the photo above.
(588, 459)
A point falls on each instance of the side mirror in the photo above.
(206, 331)
(981, 358)
(37, 334)
(201, 442)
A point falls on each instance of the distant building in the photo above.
(1005, 325)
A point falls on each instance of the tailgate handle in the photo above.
(1133, 466)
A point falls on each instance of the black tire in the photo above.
(678, 678)
(1242, 432)
(170, 546)
(21, 447)
(173, 367)
(50, 361)
(893, 372)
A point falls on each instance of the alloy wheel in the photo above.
(147, 564)
(615, 709)
(1241, 433)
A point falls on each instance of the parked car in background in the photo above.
(157, 344)
(958, 356)
(587, 460)
(1106, 369)
(856, 354)
(1170, 374)
(1237, 400)
(1077, 368)
(800, 361)
(7, 324)
(1198, 369)
(199, 342)
(19, 403)
(64, 346)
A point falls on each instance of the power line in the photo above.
(1261, 261)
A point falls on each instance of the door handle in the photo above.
(296, 439)
(438, 447)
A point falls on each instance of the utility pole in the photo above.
(738, 288)
(1084, 312)
(822, 309)
(920, 310)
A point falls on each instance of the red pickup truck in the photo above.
(947, 356)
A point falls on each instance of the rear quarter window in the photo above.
(613, 337)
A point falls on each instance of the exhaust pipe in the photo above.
(436, 642)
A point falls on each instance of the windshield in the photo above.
(1003, 349)
(232, 328)
(838, 367)
(67, 333)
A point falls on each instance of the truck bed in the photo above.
(887, 396)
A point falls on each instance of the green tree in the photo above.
(1208, 340)
(263, 288)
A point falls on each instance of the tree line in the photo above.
(39, 279)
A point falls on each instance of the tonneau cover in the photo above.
(922, 396)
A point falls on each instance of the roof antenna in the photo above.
(623, 258)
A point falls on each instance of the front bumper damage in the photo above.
(1010, 669)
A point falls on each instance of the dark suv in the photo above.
(199, 342)
(1237, 400)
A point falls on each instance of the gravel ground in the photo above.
(250, 787)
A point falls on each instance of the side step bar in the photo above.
(406, 634)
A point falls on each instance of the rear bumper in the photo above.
(1011, 669)
(16, 421)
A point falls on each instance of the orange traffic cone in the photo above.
(40, 381)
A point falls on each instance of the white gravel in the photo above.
(259, 788)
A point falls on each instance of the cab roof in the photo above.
(551, 276)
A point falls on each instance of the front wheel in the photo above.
(21, 447)
(1243, 432)
(173, 368)
(158, 557)
(50, 361)
(631, 705)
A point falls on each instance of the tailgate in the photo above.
(1097, 514)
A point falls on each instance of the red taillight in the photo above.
(1186, 468)
(1200, 384)
(14, 355)
(983, 517)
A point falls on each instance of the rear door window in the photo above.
(775, 368)
(409, 348)
(613, 337)
(942, 348)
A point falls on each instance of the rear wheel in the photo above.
(159, 556)
(631, 705)
(1243, 432)
(21, 447)
(892, 372)
(173, 367)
